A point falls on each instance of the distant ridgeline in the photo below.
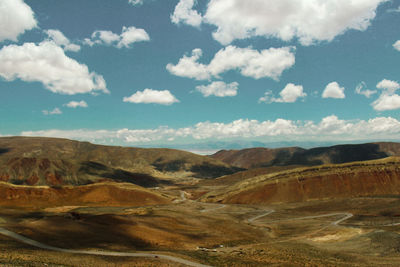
(56, 162)
(264, 157)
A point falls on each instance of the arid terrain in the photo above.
(68, 203)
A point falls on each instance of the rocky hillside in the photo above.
(107, 194)
(357, 179)
(264, 157)
(51, 161)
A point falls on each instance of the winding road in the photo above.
(37, 244)
(221, 206)
(267, 212)
(346, 215)
(102, 253)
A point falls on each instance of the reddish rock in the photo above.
(4, 177)
(32, 180)
(53, 179)
(322, 183)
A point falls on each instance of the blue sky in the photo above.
(170, 72)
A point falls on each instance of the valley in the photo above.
(214, 214)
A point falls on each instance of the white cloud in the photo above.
(249, 62)
(388, 100)
(47, 63)
(333, 90)
(219, 89)
(152, 96)
(188, 66)
(252, 63)
(89, 42)
(59, 39)
(76, 104)
(388, 86)
(16, 17)
(360, 89)
(396, 45)
(330, 128)
(55, 111)
(184, 13)
(135, 2)
(289, 94)
(106, 37)
(132, 35)
(310, 21)
(128, 36)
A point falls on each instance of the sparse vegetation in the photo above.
(326, 215)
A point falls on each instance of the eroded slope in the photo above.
(369, 178)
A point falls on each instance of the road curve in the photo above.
(346, 215)
(220, 206)
(161, 256)
(391, 224)
(101, 253)
(267, 212)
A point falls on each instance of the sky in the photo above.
(185, 73)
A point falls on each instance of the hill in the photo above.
(53, 161)
(100, 194)
(265, 157)
(356, 179)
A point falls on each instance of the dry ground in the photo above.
(219, 236)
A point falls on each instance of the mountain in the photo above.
(54, 162)
(356, 179)
(265, 157)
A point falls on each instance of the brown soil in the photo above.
(102, 194)
(373, 178)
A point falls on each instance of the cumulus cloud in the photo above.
(396, 45)
(16, 17)
(329, 128)
(249, 62)
(310, 21)
(55, 111)
(333, 90)
(360, 90)
(219, 89)
(388, 100)
(105, 37)
(47, 63)
(135, 2)
(76, 104)
(289, 94)
(148, 96)
(132, 35)
(128, 36)
(184, 13)
(59, 39)
(188, 66)
(388, 86)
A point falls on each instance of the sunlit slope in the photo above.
(357, 179)
(100, 194)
